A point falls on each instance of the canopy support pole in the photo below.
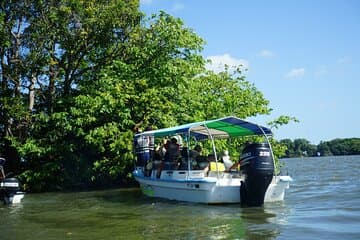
(272, 153)
(214, 150)
(188, 153)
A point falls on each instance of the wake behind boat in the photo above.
(174, 171)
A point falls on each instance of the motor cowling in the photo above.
(256, 163)
(8, 188)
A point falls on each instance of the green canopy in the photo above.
(218, 128)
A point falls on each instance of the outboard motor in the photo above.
(257, 164)
(9, 187)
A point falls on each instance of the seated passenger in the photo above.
(211, 157)
(202, 163)
(195, 152)
(184, 159)
(195, 158)
(172, 154)
(226, 160)
(235, 166)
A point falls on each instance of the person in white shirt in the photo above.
(226, 160)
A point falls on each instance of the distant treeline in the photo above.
(303, 148)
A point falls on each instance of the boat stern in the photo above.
(277, 188)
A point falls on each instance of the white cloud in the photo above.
(295, 73)
(267, 54)
(218, 62)
(146, 2)
(177, 7)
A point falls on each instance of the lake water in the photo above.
(323, 202)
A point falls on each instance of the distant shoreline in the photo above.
(335, 156)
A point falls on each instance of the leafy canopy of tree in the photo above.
(77, 76)
(302, 147)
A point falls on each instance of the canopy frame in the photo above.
(221, 128)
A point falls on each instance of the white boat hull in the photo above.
(211, 190)
(14, 198)
(17, 198)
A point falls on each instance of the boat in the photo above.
(250, 181)
(9, 187)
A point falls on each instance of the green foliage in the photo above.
(298, 147)
(347, 146)
(324, 149)
(282, 120)
(303, 148)
(212, 95)
(44, 77)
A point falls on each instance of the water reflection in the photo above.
(12, 209)
(191, 221)
(127, 214)
(196, 221)
(260, 223)
(317, 206)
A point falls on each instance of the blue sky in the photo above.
(303, 55)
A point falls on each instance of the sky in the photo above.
(303, 55)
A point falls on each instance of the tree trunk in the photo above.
(32, 92)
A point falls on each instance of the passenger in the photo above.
(2, 163)
(179, 141)
(211, 157)
(203, 164)
(184, 159)
(157, 160)
(142, 148)
(206, 165)
(195, 157)
(162, 148)
(151, 143)
(172, 154)
(226, 160)
(195, 152)
(159, 156)
(235, 166)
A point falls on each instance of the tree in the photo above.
(126, 93)
(349, 146)
(302, 147)
(289, 144)
(47, 49)
(14, 117)
(212, 95)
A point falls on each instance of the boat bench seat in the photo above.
(214, 166)
(216, 169)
